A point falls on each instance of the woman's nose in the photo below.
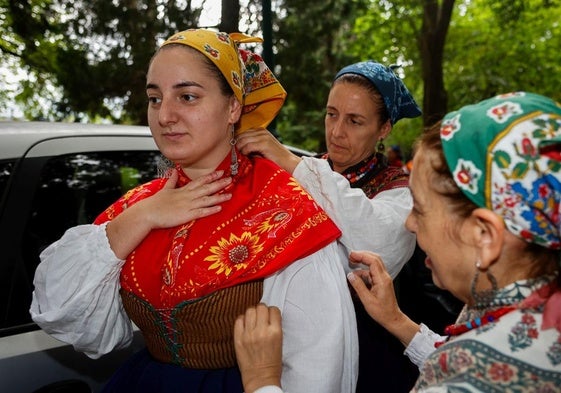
(410, 223)
(168, 112)
(337, 129)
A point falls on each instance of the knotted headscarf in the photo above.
(398, 100)
(505, 154)
(252, 82)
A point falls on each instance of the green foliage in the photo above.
(96, 51)
(87, 60)
(492, 49)
(310, 40)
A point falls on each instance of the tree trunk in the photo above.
(436, 20)
(230, 16)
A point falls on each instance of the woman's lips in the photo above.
(335, 146)
(173, 135)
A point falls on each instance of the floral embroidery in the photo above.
(513, 140)
(523, 333)
(504, 111)
(211, 51)
(554, 352)
(268, 222)
(501, 372)
(484, 368)
(450, 127)
(542, 208)
(224, 37)
(297, 187)
(233, 253)
(467, 176)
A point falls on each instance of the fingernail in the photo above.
(351, 276)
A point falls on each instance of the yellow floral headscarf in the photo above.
(253, 83)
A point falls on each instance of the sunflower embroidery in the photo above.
(234, 253)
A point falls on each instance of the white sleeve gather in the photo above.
(320, 342)
(269, 389)
(76, 298)
(376, 224)
(422, 345)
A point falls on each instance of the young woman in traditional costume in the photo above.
(182, 256)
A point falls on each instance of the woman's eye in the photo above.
(188, 97)
(154, 100)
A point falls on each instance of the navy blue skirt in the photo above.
(143, 374)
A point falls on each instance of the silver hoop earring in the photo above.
(483, 298)
(234, 156)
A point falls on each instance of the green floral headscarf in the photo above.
(505, 154)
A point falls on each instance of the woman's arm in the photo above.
(320, 344)
(76, 297)
(378, 298)
(376, 224)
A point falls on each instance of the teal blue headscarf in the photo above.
(505, 154)
(397, 99)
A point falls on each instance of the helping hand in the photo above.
(261, 141)
(258, 344)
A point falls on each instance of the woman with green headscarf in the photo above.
(486, 185)
(183, 255)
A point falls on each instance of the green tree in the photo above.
(496, 47)
(310, 39)
(96, 51)
(90, 58)
(489, 47)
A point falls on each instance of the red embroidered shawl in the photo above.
(270, 222)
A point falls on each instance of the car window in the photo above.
(71, 189)
(75, 188)
(6, 168)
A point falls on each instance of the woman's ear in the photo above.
(235, 109)
(386, 129)
(488, 235)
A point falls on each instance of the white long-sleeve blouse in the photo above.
(376, 224)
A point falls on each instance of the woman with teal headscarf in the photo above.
(487, 189)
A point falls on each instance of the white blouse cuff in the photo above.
(422, 345)
(269, 389)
